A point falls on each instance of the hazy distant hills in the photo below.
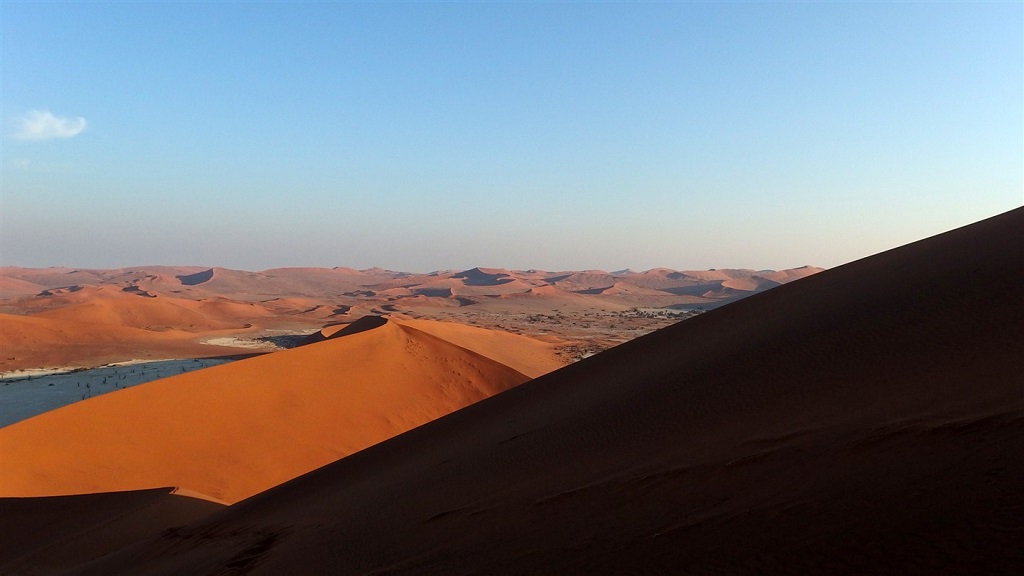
(706, 286)
(74, 316)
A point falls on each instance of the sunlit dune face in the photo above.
(230, 431)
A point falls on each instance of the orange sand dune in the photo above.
(240, 284)
(311, 281)
(783, 276)
(34, 342)
(227, 303)
(549, 298)
(422, 301)
(588, 280)
(719, 274)
(114, 306)
(195, 282)
(54, 276)
(547, 290)
(869, 419)
(529, 356)
(236, 284)
(307, 270)
(749, 283)
(620, 288)
(12, 286)
(155, 276)
(467, 283)
(233, 430)
(348, 271)
(307, 307)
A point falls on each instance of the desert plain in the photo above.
(863, 419)
(58, 317)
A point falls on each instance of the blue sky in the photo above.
(424, 136)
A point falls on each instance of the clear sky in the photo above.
(551, 135)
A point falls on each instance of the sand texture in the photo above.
(229, 431)
(868, 419)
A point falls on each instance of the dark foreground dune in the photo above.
(868, 419)
(49, 535)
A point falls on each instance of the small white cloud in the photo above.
(42, 125)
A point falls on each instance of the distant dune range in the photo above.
(868, 419)
(68, 317)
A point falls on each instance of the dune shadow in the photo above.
(197, 278)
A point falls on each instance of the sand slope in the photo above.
(49, 535)
(41, 341)
(529, 356)
(118, 307)
(230, 431)
(868, 419)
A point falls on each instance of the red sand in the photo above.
(174, 309)
(869, 419)
(233, 430)
(33, 341)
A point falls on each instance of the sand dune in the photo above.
(869, 419)
(53, 276)
(50, 535)
(783, 276)
(621, 288)
(29, 341)
(121, 307)
(11, 286)
(528, 356)
(230, 431)
(749, 284)
(235, 306)
(281, 281)
(579, 281)
(485, 276)
(91, 325)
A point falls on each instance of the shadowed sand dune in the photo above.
(230, 431)
(869, 419)
(49, 535)
(485, 277)
(197, 278)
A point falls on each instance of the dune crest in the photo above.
(869, 419)
(50, 535)
(230, 431)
